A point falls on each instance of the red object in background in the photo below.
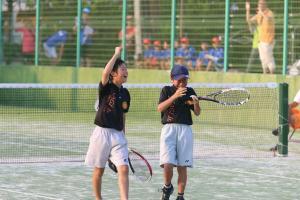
(295, 118)
(146, 41)
(28, 41)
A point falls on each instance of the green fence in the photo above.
(27, 25)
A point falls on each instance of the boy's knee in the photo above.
(123, 169)
(98, 172)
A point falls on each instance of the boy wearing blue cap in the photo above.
(176, 141)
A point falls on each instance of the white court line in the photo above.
(42, 147)
(253, 173)
(30, 194)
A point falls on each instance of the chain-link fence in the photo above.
(200, 29)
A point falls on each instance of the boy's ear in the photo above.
(113, 73)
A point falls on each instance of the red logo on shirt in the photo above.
(171, 113)
(110, 102)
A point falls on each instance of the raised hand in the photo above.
(247, 5)
(118, 51)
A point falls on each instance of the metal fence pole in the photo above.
(37, 33)
(285, 37)
(124, 32)
(173, 32)
(283, 119)
(78, 21)
(226, 34)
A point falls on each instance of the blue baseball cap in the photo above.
(178, 72)
(86, 10)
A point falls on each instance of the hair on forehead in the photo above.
(117, 64)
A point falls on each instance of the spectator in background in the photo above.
(216, 55)
(266, 25)
(28, 40)
(166, 54)
(185, 54)
(147, 52)
(58, 39)
(130, 33)
(86, 38)
(234, 8)
(254, 54)
(156, 55)
(202, 61)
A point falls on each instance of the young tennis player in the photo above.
(176, 141)
(108, 140)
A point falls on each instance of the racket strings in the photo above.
(140, 168)
(233, 97)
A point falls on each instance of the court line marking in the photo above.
(30, 194)
(253, 173)
(42, 147)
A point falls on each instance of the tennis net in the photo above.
(53, 122)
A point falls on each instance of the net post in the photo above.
(283, 119)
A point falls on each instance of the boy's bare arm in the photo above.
(195, 102)
(109, 66)
(249, 19)
(167, 103)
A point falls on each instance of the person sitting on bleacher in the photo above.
(156, 55)
(166, 54)
(202, 61)
(147, 52)
(216, 55)
(185, 54)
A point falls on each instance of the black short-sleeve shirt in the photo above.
(179, 112)
(113, 103)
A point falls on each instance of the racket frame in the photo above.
(144, 160)
(211, 97)
(113, 167)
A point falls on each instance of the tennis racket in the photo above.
(228, 97)
(138, 164)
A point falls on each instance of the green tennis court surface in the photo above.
(45, 130)
(233, 178)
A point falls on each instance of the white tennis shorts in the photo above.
(50, 52)
(176, 145)
(107, 143)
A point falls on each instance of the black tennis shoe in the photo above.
(166, 192)
(179, 198)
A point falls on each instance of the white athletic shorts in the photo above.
(176, 145)
(50, 52)
(107, 143)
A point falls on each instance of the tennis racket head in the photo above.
(139, 166)
(231, 96)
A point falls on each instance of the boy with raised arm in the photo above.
(108, 138)
(176, 141)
